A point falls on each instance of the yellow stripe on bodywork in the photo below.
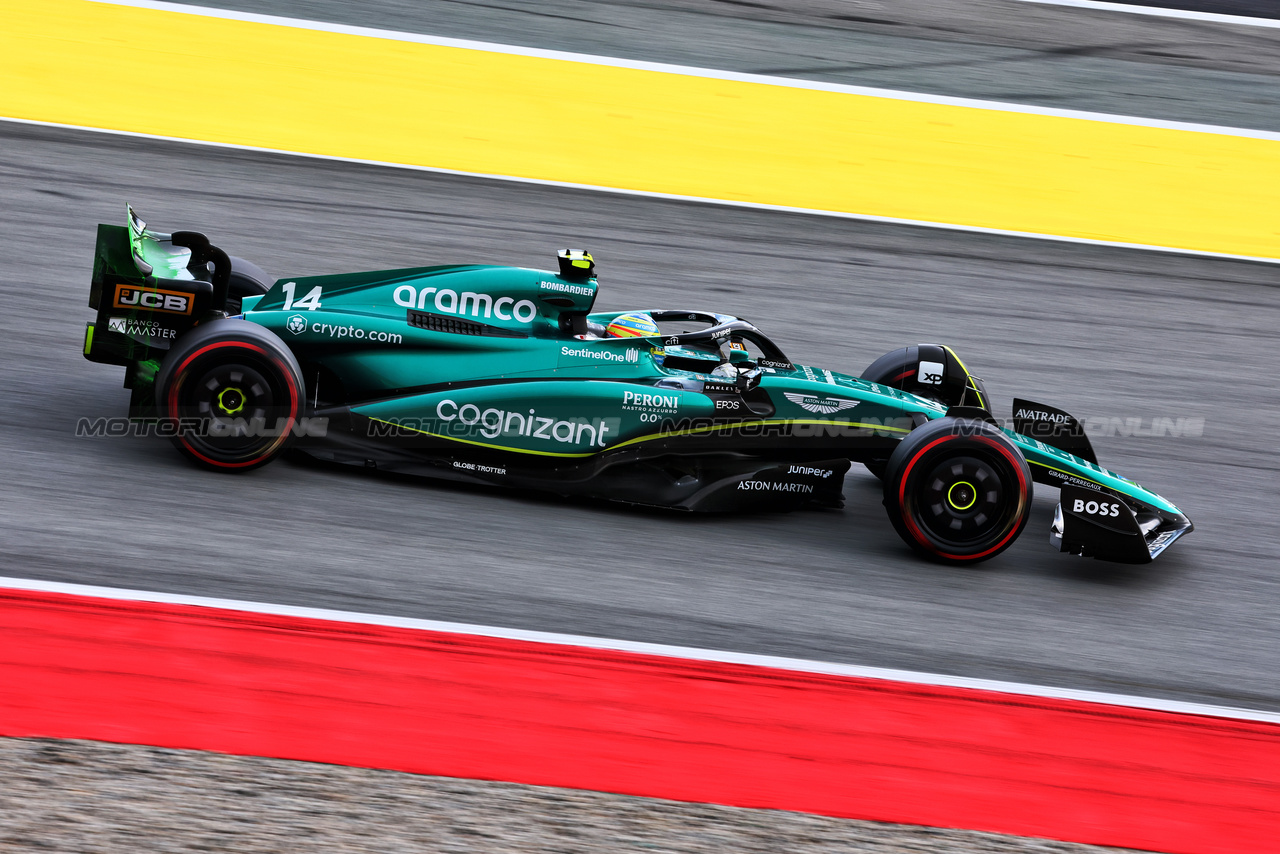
(646, 438)
(1069, 473)
(968, 376)
(483, 444)
(354, 96)
(711, 428)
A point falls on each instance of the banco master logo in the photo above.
(824, 405)
(139, 328)
(297, 324)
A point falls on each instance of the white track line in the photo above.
(595, 188)
(1160, 12)
(688, 653)
(687, 71)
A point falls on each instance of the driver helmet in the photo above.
(634, 325)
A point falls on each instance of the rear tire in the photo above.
(958, 490)
(236, 392)
(247, 279)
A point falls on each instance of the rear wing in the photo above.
(148, 288)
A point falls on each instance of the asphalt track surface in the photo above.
(1001, 50)
(1098, 331)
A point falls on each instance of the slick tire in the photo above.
(235, 392)
(958, 490)
(247, 279)
(900, 369)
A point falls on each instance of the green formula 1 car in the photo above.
(505, 375)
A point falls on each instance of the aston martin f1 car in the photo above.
(507, 376)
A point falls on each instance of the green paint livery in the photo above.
(504, 375)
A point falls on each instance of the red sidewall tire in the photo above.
(252, 368)
(958, 491)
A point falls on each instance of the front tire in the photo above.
(930, 371)
(234, 391)
(958, 490)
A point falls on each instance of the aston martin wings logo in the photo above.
(825, 405)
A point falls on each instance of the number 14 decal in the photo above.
(310, 301)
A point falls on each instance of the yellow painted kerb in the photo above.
(170, 74)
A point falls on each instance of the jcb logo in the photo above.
(170, 302)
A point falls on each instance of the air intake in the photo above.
(456, 326)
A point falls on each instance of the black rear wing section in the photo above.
(139, 314)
